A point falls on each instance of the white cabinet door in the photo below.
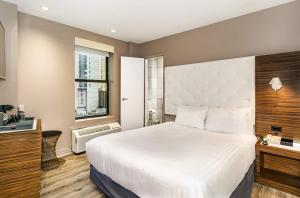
(132, 93)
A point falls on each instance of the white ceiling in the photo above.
(141, 20)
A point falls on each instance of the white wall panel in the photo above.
(223, 83)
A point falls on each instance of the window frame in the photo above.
(106, 81)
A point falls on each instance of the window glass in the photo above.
(91, 84)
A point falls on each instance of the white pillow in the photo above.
(191, 116)
(229, 120)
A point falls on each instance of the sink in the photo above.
(23, 125)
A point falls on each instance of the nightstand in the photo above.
(278, 168)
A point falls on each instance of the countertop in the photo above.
(23, 125)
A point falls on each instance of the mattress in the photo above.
(171, 160)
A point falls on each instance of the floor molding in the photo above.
(63, 152)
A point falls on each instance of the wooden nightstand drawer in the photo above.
(278, 168)
(282, 164)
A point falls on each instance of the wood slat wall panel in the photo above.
(281, 108)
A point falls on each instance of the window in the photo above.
(91, 83)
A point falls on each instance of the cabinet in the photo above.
(20, 163)
(278, 168)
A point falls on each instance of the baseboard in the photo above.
(63, 152)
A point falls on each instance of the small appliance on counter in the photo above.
(4, 117)
(5, 108)
(14, 122)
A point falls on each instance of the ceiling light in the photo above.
(44, 8)
(113, 30)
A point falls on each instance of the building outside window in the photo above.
(91, 83)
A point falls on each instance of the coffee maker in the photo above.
(5, 108)
(4, 118)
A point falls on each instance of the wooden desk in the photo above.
(278, 168)
(20, 163)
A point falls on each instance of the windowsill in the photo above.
(95, 118)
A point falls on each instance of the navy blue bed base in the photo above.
(115, 190)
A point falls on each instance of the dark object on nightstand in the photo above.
(264, 142)
(278, 168)
(49, 158)
(286, 142)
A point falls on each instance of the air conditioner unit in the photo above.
(81, 136)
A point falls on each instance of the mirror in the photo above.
(154, 90)
(2, 51)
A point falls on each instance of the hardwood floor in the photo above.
(72, 180)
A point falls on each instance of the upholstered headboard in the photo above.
(224, 83)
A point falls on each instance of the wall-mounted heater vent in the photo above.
(81, 136)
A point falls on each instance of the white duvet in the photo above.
(171, 160)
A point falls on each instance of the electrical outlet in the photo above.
(276, 129)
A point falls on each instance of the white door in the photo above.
(132, 93)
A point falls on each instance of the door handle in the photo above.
(123, 99)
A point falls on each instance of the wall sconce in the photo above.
(276, 83)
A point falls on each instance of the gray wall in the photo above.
(8, 87)
(265, 32)
(133, 50)
(46, 74)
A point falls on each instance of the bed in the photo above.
(171, 160)
(208, 152)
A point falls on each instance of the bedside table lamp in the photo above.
(276, 83)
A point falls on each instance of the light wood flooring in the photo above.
(71, 180)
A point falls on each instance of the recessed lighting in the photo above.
(113, 30)
(44, 8)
